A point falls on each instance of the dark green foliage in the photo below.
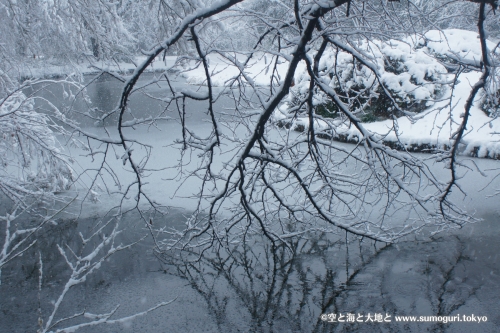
(368, 118)
(327, 110)
(376, 105)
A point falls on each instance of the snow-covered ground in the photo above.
(223, 70)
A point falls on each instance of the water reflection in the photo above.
(258, 287)
(255, 286)
(273, 287)
(104, 96)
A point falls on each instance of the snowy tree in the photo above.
(275, 183)
(64, 31)
(36, 168)
(278, 184)
(253, 178)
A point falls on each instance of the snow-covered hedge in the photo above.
(412, 76)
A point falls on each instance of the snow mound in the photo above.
(405, 69)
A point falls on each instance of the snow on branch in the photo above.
(82, 264)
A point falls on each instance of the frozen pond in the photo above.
(258, 287)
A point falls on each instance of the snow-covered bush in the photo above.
(413, 78)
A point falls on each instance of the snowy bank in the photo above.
(43, 68)
(223, 71)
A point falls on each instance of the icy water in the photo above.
(278, 290)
